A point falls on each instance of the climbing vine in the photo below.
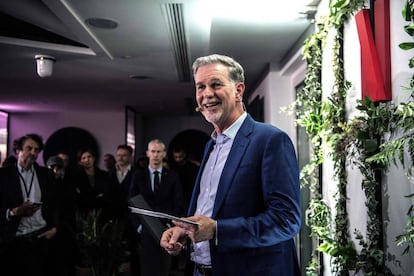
(325, 123)
(357, 142)
(401, 128)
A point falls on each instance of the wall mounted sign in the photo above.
(375, 52)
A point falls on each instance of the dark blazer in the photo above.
(104, 195)
(168, 199)
(125, 185)
(11, 197)
(257, 207)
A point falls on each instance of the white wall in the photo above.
(396, 183)
(278, 90)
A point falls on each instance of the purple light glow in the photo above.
(20, 107)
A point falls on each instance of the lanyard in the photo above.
(25, 186)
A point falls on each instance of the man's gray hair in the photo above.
(157, 141)
(236, 71)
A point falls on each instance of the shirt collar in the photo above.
(128, 167)
(152, 170)
(231, 131)
(21, 170)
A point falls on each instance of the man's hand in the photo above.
(203, 232)
(48, 234)
(26, 209)
(173, 240)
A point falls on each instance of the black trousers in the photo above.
(154, 260)
(26, 256)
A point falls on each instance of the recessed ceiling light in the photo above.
(101, 23)
(139, 77)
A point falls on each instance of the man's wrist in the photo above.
(11, 213)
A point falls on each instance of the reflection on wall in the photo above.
(4, 116)
(130, 127)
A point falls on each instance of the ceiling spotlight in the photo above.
(44, 65)
(101, 23)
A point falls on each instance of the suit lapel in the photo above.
(40, 179)
(237, 151)
(16, 178)
(147, 183)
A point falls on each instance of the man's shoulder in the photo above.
(261, 128)
(44, 173)
(10, 170)
(42, 169)
(191, 165)
(169, 172)
(140, 173)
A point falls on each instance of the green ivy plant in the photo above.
(309, 116)
(359, 141)
(364, 133)
(326, 125)
(402, 132)
(100, 242)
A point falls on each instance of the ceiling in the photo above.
(145, 62)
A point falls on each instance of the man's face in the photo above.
(65, 159)
(217, 94)
(155, 153)
(179, 157)
(28, 154)
(123, 158)
(59, 172)
(109, 162)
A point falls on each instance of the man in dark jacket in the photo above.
(27, 211)
(161, 188)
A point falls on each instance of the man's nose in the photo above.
(208, 92)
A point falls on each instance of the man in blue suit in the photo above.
(246, 199)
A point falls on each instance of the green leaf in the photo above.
(361, 135)
(409, 29)
(406, 45)
(411, 63)
(371, 145)
(406, 12)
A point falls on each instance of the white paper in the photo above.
(160, 215)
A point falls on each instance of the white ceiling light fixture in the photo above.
(44, 65)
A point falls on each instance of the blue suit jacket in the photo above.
(257, 206)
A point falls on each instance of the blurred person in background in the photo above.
(161, 188)
(28, 213)
(64, 244)
(109, 162)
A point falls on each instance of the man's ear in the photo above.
(239, 91)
